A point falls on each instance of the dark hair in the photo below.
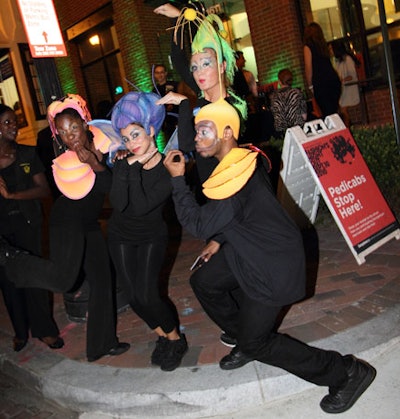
(285, 76)
(313, 35)
(340, 51)
(160, 65)
(238, 54)
(68, 111)
(5, 108)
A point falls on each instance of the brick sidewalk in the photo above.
(341, 294)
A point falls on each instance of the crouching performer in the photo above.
(256, 239)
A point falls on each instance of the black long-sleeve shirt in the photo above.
(138, 197)
(262, 244)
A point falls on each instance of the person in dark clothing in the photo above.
(322, 79)
(75, 237)
(209, 73)
(22, 185)
(244, 82)
(162, 87)
(256, 239)
(137, 231)
(202, 75)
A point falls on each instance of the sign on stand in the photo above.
(323, 159)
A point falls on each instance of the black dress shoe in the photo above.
(117, 350)
(56, 344)
(235, 359)
(19, 344)
(342, 398)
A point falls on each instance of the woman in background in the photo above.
(322, 79)
(345, 65)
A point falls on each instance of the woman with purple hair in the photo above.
(137, 232)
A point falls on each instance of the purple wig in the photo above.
(138, 108)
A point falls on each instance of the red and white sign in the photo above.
(350, 188)
(346, 184)
(42, 28)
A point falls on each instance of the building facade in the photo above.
(112, 46)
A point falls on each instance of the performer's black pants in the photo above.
(252, 323)
(72, 248)
(138, 270)
(28, 308)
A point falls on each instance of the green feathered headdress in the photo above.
(210, 34)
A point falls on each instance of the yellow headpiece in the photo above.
(222, 114)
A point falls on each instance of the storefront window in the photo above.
(327, 15)
(102, 69)
(370, 12)
(377, 56)
(357, 22)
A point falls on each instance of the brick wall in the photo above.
(275, 31)
(69, 13)
(379, 106)
(276, 37)
(277, 34)
(137, 30)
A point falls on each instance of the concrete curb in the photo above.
(188, 392)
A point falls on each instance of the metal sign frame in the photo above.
(304, 185)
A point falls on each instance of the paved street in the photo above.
(19, 401)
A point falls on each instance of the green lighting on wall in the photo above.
(281, 61)
(66, 75)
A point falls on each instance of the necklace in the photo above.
(152, 162)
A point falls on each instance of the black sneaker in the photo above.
(340, 399)
(228, 340)
(160, 351)
(175, 351)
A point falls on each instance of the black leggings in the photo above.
(138, 270)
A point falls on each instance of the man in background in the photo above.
(162, 87)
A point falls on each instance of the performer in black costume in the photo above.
(258, 240)
(75, 236)
(137, 231)
(201, 74)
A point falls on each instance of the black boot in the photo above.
(174, 353)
